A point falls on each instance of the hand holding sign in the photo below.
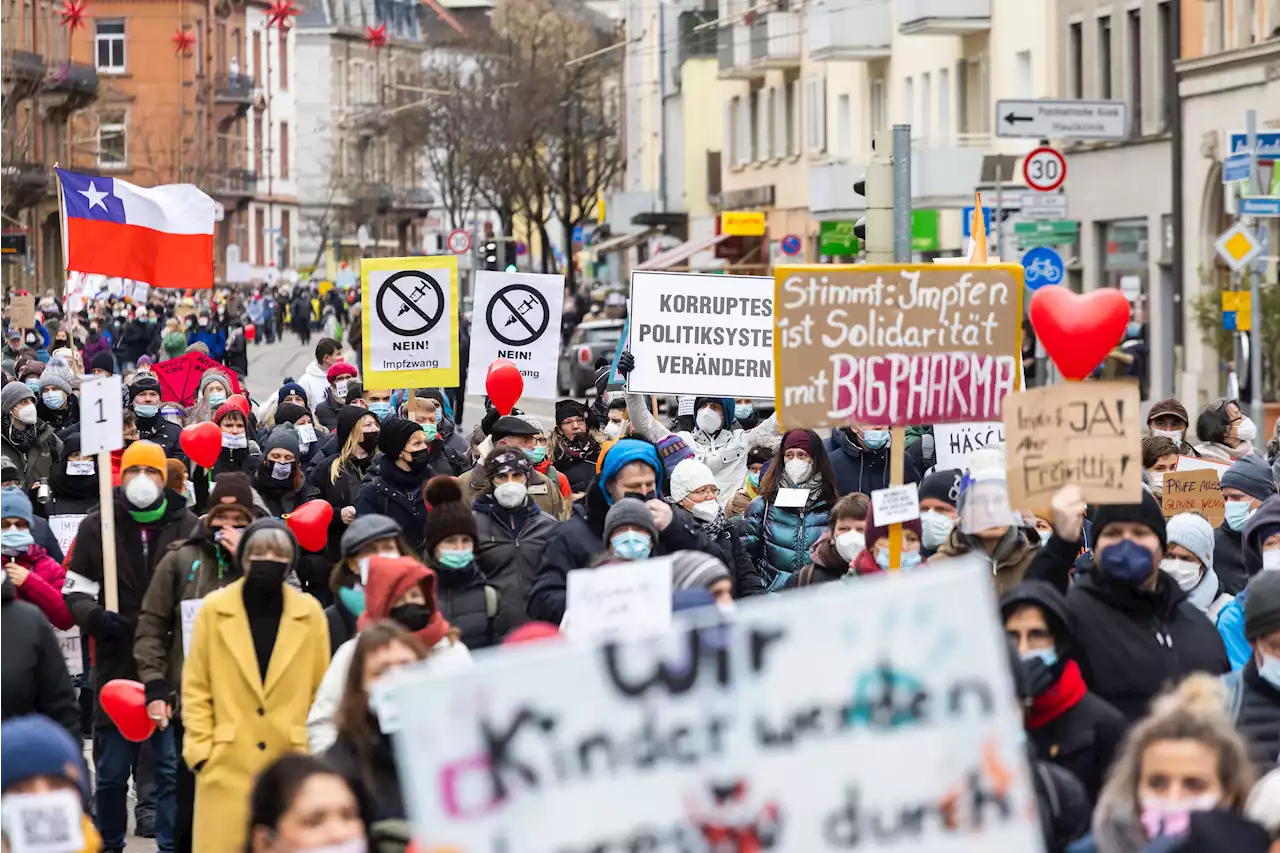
(504, 385)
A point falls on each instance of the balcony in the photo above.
(733, 50)
(24, 184)
(236, 183)
(775, 39)
(831, 188)
(849, 29)
(944, 171)
(943, 17)
(24, 71)
(74, 83)
(414, 199)
(234, 91)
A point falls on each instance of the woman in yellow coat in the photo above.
(258, 654)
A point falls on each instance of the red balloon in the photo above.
(1078, 330)
(310, 523)
(125, 702)
(532, 632)
(250, 332)
(504, 385)
(241, 402)
(202, 442)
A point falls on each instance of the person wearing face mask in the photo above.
(338, 379)
(1189, 561)
(44, 766)
(617, 425)
(464, 598)
(629, 534)
(57, 405)
(939, 493)
(1159, 457)
(860, 458)
(792, 510)
(135, 338)
(318, 377)
(211, 335)
(875, 557)
(1070, 726)
(427, 413)
(190, 570)
(693, 487)
(73, 486)
(512, 532)
(259, 650)
(1254, 691)
(1260, 553)
(367, 537)
(1225, 432)
(833, 554)
(543, 466)
(574, 451)
(98, 343)
(36, 575)
(144, 399)
(628, 468)
(518, 432)
(173, 342)
(309, 439)
(148, 520)
(300, 804)
(239, 453)
(213, 391)
(394, 485)
(403, 590)
(1135, 629)
(340, 474)
(378, 401)
(25, 440)
(1245, 486)
(987, 526)
(1168, 419)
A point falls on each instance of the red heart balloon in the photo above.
(310, 523)
(241, 402)
(504, 385)
(202, 442)
(125, 702)
(1078, 330)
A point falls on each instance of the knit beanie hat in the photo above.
(622, 453)
(58, 374)
(506, 460)
(146, 454)
(289, 413)
(103, 360)
(292, 388)
(395, 434)
(226, 409)
(14, 504)
(1147, 513)
(12, 394)
(449, 515)
(942, 486)
(629, 511)
(232, 489)
(689, 476)
(1251, 475)
(874, 532)
(696, 570)
(1262, 605)
(566, 409)
(143, 382)
(340, 370)
(672, 450)
(348, 417)
(1193, 532)
(9, 469)
(247, 535)
(286, 437)
(366, 529)
(31, 369)
(213, 374)
(35, 745)
(796, 438)
(533, 421)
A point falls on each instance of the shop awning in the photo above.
(620, 243)
(681, 254)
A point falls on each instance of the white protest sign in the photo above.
(101, 414)
(666, 743)
(895, 504)
(627, 599)
(517, 317)
(703, 335)
(69, 641)
(190, 607)
(43, 823)
(1195, 463)
(409, 309)
(952, 443)
(65, 527)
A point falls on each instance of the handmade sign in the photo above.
(896, 345)
(22, 311)
(1087, 433)
(953, 443)
(180, 377)
(735, 736)
(1196, 463)
(1193, 491)
(623, 599)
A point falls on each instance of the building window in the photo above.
(1075, 61)
(257, 56)
(109, 41)
(1022, 73)
(1104, 57)
(283, 72)
(340, 159)
(1134, 27)
(113, 139)
(781, 95)
(793, 118)
(944, 104)
(767, 115)
(286, 236)
(817, 112)
(284, 150)
(844, 127)
(926, 105)
(731, 132)
(753, 130)
(908, 101)
(260, 238)
(1168, 55)
(258, 144)
(340, 80)
(877, 106)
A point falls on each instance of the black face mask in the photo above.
(266, 575)
(412, 617)
(369, 442)
(419, 459)
(1038, 677)
(650, 495)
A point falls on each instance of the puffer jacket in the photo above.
(509, 546)
(778, 539)
(1258, 718)
(1009, 562)
(861, 470)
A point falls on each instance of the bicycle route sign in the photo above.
(1043, 266)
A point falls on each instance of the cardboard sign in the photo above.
(952, 443)
(517, 317)
(1193, 491)
(101, 414)
(409, 308)
(1087, 433)
(895, 504)
(65, 527)
(618, 599)
(1195, 463)
(72, 653)
(190, 607)
(22, 312)
(736, 730)
(702, 335)
(896, 345)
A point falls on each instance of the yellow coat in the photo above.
(234, 723)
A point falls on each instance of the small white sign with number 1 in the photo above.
(101, 415)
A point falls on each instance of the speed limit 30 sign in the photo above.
(1044, 169)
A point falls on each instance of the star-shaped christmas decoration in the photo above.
(72, 14)
(377, 35)
(279, 13)
(183, 41)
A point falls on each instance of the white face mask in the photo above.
(142, 491)
(27, 414)
(849, 543)
(1270, 560)
(798, 470)
(709, 420)
(510, 494)
(1157, 481)
(306, 434)
(1185, 572)
(706, 510)
(935, 528)
(1174, 435)
(613, 429)
(1246, 430)
(235, 442)
(281, 470)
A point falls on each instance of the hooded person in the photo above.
(518, 432)
(1245, 485)
(38, 577)
(367, 537)
(987, 525)
(573, 449)
(338, 378)
(25, 440)
(1119, 596)
(144, 399)
(394, 485)
(403, 590)
(1168, 419)
(339, 475)
(1068, 725)
(58, 405)
(628, 467)
(1189, 561)
(693, 487)
(1260, 553)
(860, 458)
(512, 532)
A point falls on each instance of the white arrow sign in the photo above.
(1044, 119)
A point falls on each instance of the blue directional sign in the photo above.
(1043, 266)
(966, 217)
(1268, 143)
(1237, 167)
(1260, 205)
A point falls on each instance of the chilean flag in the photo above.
(162, 236)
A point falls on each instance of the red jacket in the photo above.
(43, 587)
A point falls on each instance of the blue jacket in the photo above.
(216, 341)
(1231, 627)
(861, 470)
(778, 539)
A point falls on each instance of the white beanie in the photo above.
(1193, 532)
(689, 476)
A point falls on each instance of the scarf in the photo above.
(150, 516)
(585, 448)
(1064, 695)
(813, 484)
(21, 437)
(712, 528)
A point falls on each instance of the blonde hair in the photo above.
(348, 446)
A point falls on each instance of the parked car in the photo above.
(578, 358)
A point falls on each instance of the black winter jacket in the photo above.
(162, 432)
(395, 493)
(243, 460)
(1228, 559)
(1258, 719)
(728, 546)
(461, 596)
(509, 549)
(381, 781)
(34, 679)
(342, 625)
(861, 470)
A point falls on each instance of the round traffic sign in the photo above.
(1043, 266)
(791, 245)
(1044, 169)
(410, 303)
(459, 242)
(518, 315)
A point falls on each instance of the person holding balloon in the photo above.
(236, 451)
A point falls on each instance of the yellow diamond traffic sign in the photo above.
(1237, 246)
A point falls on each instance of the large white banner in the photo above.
(702, 335)
(517, 317)
(873, 716)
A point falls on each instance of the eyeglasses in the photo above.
(582, 422)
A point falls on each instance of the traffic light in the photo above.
(875, 230)
(489, 255)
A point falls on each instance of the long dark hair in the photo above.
(772, 479)
(278, 785)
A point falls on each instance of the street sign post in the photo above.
(1237, 167)
(1237, 246)
(1260, 205)
(1043, 266)
(1048, 233)
(1044, 169)
(459, 242)
(1048, 119)
(1037, 205)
